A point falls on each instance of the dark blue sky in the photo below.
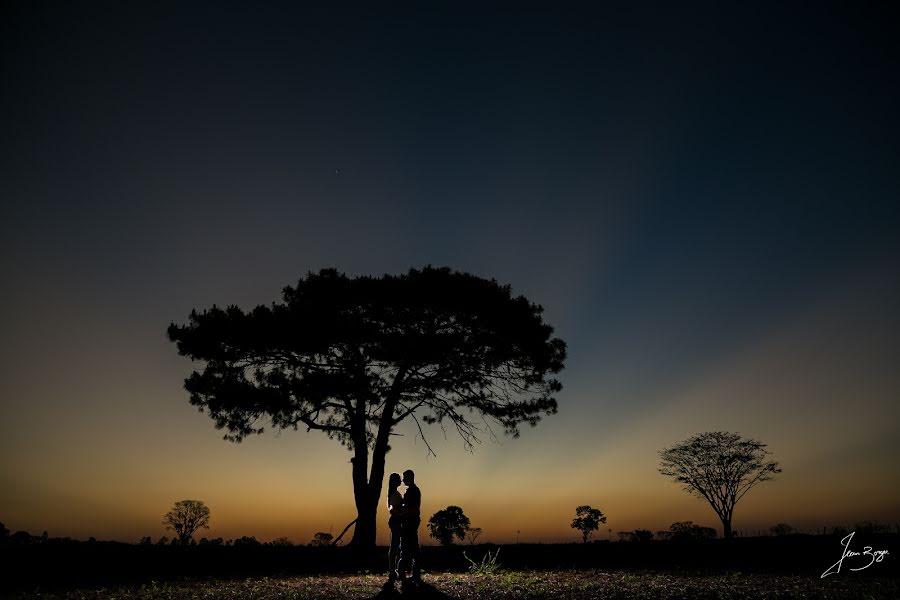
(677, 186)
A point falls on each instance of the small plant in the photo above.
(487, 566)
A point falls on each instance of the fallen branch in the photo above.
(338, 538)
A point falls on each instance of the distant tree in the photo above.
(4, 534)
(682, 527)
(587, 520)
(473, 533)
(686, 531)
(146, 541)
(448, 523)
(162, 541)
(22, 538)
(638, 535)
(247, 541)
(781, 529)
(355, 357)
(321, 539)
(281, 541)
(186, 517)
(719, 467)
(213, 542)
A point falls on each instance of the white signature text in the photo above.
(872, 556)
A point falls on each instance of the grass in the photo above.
(511, 585)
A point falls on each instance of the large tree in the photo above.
(354, 357)
(719, 467)
(587, 520)
(186, 517)
(448, 523)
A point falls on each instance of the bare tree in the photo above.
(186, 517)
(719, 467)
(472, 534)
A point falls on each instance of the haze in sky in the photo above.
(705, 202)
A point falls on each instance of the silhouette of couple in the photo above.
(403, 554)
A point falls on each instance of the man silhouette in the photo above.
(409, 537)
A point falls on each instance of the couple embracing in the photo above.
(403, 554)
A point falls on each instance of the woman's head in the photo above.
(394, 481)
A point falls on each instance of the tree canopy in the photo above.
(719, 467)
(687, 531)
(354, 357)
(449, 523)
(186, 517)
(587, 520)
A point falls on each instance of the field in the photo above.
(511, 585)
(768, 568)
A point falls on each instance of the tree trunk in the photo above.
(366, 506)
(368, 491)
(726, 528)
(364, 533)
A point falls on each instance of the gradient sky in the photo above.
(706, 202)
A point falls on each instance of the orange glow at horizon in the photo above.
(107, 468)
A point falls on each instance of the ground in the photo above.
(508, 585)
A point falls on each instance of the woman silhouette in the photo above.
(395, 506)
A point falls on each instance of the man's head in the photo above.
(409, 478)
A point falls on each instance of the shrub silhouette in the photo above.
(686, 531)
(638, 535)
(781, 529)
(247, 541)
(321, 539)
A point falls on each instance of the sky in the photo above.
(705, 200)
